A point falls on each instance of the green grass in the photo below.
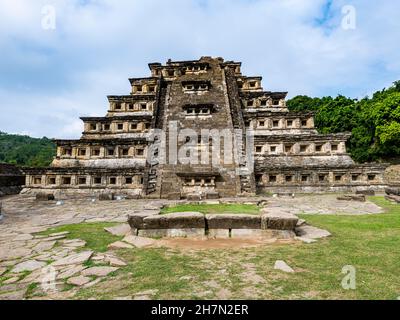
(370, 243)
(96, 237)
(213, 208)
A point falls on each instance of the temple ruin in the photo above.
(275, 150)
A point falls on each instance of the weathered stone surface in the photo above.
(23, 237)
(119, 230)
(172, 233)
(76, 258)
(119, 245)
(9, 254)
(92, 283)
(58, 234)
(29, 265)
(44, 246)
(136, 220)
(393, 191)
(106, 197)
(218, 233)
(15, 295)
(212, 195)
(279, 221)
(300, 223)
(11, 280)
(359, 197)
(2, 270)
(73, 243)
(392, 197)
(367, 192)
(178, 220)
(139, 242)
(233, 221)
(98, 271)
(193, 197)
(115, 262)
(311, 232)
(283, 266)
(78, 281)
(70, 271)
(41, 196)
(247, 233)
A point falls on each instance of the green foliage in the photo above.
(374, 122)
(213, 208)
(26, 151)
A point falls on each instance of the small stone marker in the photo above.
(283, 266)
(119, 230)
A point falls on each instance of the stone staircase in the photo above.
(152, 179)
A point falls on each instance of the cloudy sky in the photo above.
(50, 77)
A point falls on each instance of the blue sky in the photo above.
(49, 78)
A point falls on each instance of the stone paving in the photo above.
(27, 258)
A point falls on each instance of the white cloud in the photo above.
(50, 78)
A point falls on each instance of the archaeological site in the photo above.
(148, 144)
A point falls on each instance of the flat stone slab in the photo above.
(119, 245)
(44, 246)
(178, 220)
(77, 258)
(14, 253)
(283, 266)
(70, 271)
(29, 265)
(73, 243)
(119, 230)
(310, 232)
(392, 197)
(279, 221)
(23, 237)
(79, 281)
(358, 197)
(16, 295)
(139, 242)
(98, 271)
(233, 221)
(115, 262)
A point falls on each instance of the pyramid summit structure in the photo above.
(159, 141)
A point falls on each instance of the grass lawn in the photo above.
(96, 237)
(213, 208)
(369, 243)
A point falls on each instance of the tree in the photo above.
(374, 122)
